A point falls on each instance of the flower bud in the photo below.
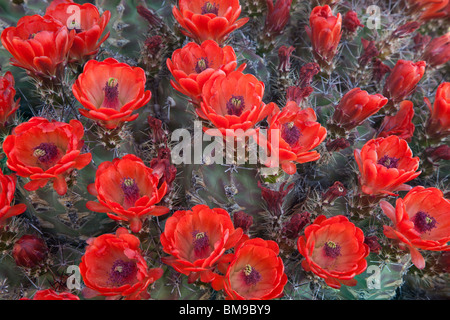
(351, 22)
(372, 242)
(277, 16)
(7, 92)
(335, 191)
(295, 225)
(403, 79)
(437, 52)
(355, 107)
(399, 124)
(29, 251)
(438, 124)
(242, 220)
(325, 33)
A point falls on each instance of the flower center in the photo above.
(122, 272)
(130, 191)
(332, 249)
(111, 100)
(290, 133)
(209, 7)
(46, 152)
(250, 275)
(202, 65)
(388, 162)
(201, 244)
(73, 25)
(235, 105)
(423, 222)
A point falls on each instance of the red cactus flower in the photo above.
(437, 52)
(334, 249)
(88, 25)
(438, 124)
(233, 101)
(399, 124)
(113, 266)
(8, 106)
(325, 33)
(196, 239)
(351, 21)
(49, 294)
(297, 132)
(208, 20)
(127, 190)
(255, 272)
(420, 221)
(385, 165)
(193, 65)
(356, 106)
(110, 91)
(7, 190)
(38, 44)
(29, 251)
(403, 79)
(46, 151)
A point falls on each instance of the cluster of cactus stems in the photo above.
(356, 92)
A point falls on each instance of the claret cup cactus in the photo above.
(226, 149)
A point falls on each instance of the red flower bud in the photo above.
(295, 225)
(351, 21)
(277, 16)
(438, 124)
(29, 251)
(420, 42)
(372, 242)
(356, 106)
(379, 70)
(298, 94)
(7, 92)
(337, 144)
(275, 199)
(325, 33)
(335, 191)
(157, 133)
(242, 220)
(149, 15)
(434, 154)
(370, 51)
(307, 73)
(405, 29)
(399, 124)
(284, 55)
(403, 79)
(153, 45)
(437, 52)
(162, 167)
(303, 89)
(429, 9)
